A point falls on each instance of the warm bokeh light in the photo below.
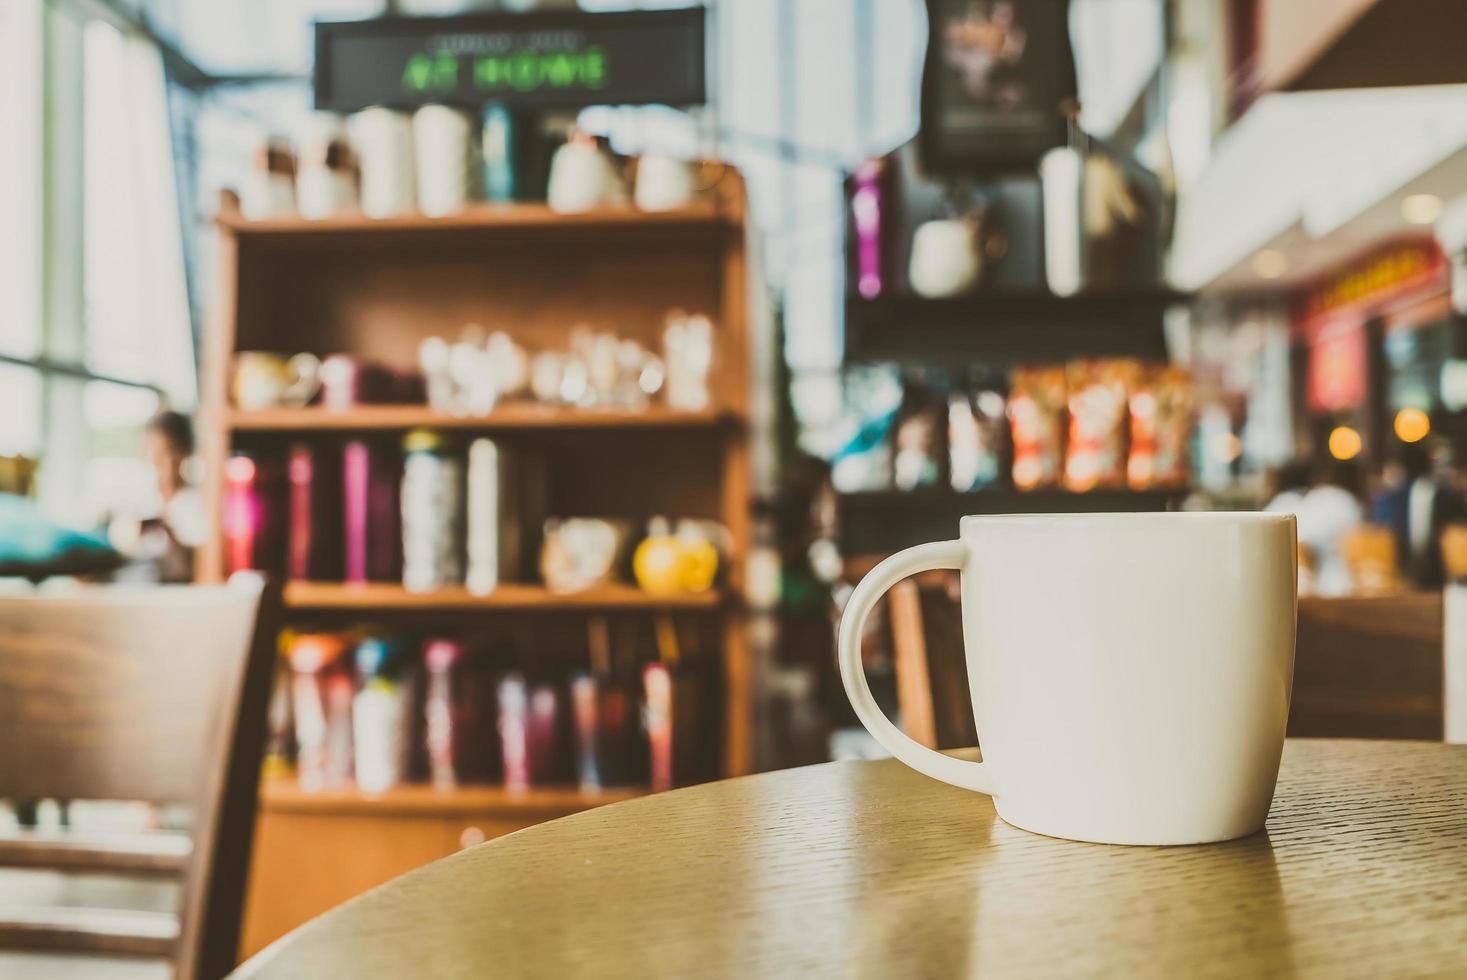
(1344, 443)
(1412, 425)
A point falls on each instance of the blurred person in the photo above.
(1327, 511)
(161, 541)
(1389, 504)
(1433, 500)
(1286, 487)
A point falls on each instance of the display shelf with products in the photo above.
(1009, 326)
(342, 457)
(369, 302)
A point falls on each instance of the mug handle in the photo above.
(929, 762)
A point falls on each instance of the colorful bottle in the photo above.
(322, 691)
(500, 149)
(431, 505)
(514, 731)
(379, 716)
(584, 698)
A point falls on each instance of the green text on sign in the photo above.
(528, 70)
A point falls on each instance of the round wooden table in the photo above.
(866, 869)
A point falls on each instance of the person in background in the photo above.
(1328, 511)
(161, 544)
(1433, 500)
(1389, 504)
(1288, 484)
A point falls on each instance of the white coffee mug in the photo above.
(442, 139)
(1130, 672)
(945, 259)
(383, 139)
(582, 177)
(664, 183)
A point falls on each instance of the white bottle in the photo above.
(1061, 176)
(489, 541)
(377, 726)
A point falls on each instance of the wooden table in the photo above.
(870, 870)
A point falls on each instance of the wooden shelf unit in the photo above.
(314, 849)
(285, 795)
(390, 597)
(505, 418)
(721, 214)
(375, 289)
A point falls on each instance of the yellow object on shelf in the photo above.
(667, 563)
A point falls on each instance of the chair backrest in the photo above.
(1369, 667)
(931, 668)
(150, 694)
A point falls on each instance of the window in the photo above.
(95, 331)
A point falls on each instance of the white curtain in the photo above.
(137, 311)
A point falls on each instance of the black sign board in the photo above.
(996, 80)
(549, 59)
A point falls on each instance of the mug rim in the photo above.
(1225, 516)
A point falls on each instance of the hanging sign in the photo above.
(995, 84)
(1384, 276)
(550, 59)
(1337, 366)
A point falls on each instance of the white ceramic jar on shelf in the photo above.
(443, 140)
(268, 188)
(583, 176)
(384, 144)
(325, 180)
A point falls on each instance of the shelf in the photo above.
(510, 417)
(390, 597)
(1009, 327)
(884, 521)
(478, 219)
(285, 795)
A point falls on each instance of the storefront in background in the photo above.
(1377, 346)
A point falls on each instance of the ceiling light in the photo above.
(1421, 209)
(1270, 264)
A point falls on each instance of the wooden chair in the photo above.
(156, 695)
(1369, 667)
(928, 659)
